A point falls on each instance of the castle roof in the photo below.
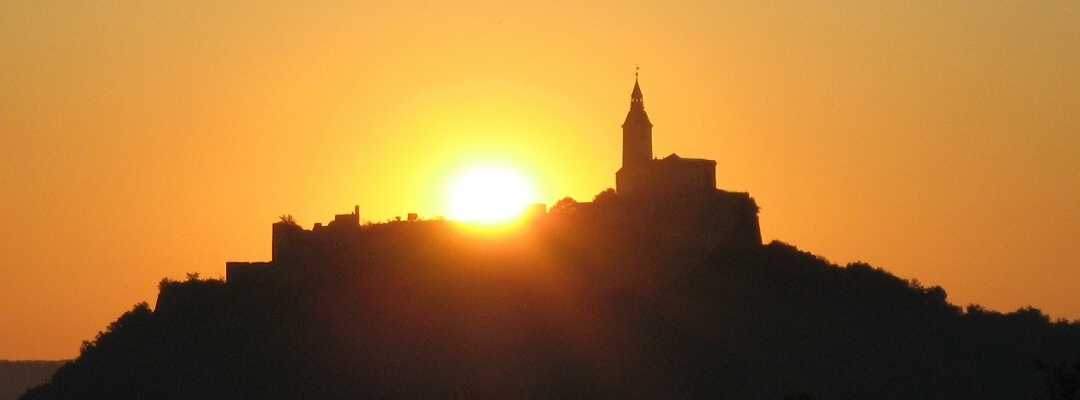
(675, 158)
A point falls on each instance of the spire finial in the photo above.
(635, 96)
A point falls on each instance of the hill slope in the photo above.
(567, 309)
(17, 376)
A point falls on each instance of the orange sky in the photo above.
(939, 140)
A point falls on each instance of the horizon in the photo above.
(139, 142)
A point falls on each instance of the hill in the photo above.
(18, 376)
(571, 306)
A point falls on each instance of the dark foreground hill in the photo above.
(567, 309)
(17, 376)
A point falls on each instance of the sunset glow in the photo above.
(489, 195)
(143, 140)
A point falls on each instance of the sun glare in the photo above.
(489, 195)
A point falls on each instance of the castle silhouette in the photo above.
(659, 289)
(674, 196)
(643, 175)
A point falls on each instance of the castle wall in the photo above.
(241, 272)
(285, 236)
(716, 218)
(665, 176)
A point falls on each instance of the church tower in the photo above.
(637, 156)
(637, 132)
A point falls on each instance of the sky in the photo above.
(939, 140)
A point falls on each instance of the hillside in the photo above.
(17, 376)
(569, 307)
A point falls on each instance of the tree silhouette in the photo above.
(565, 206)
(1062, 382)
(606, 198)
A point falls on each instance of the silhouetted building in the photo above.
(290, 243)
(677, 193)
(672, 197)
(643, 175)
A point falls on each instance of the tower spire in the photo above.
(635, 96)
(637, 131)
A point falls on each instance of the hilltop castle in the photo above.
(675, 194)
(675, 197)
(643, 175)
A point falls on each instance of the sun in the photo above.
(490, 194)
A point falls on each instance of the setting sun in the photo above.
(489, 195)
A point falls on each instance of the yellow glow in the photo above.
(489, 195)
(880, 134)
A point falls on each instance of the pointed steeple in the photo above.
(637, 115)
(635, 97)
(637, 130)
